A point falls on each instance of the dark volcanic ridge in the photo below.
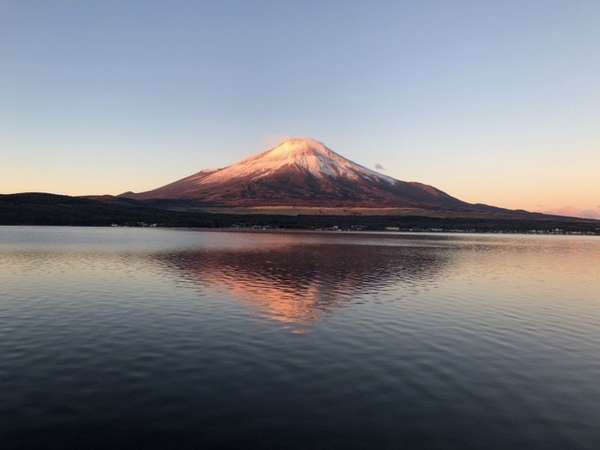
(50, 209)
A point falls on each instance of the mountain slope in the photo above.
(302, 172)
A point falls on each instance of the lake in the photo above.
(167, 339)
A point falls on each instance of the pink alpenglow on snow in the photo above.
(301, 172)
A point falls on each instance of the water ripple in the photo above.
(186, 339)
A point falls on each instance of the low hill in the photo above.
(50, 209)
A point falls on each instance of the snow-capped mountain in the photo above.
(301, 172)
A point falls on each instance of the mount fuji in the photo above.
(303, 172)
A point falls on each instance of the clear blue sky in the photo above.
(492, 101)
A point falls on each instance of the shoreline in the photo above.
(260, 230)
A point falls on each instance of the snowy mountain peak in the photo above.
(305, 154)
(299, 146)
(300, 171)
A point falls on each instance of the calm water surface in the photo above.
(149, 338)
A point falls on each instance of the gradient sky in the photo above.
(494, 102)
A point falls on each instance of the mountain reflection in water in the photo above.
(299, 283)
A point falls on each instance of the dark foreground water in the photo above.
(148, 338)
